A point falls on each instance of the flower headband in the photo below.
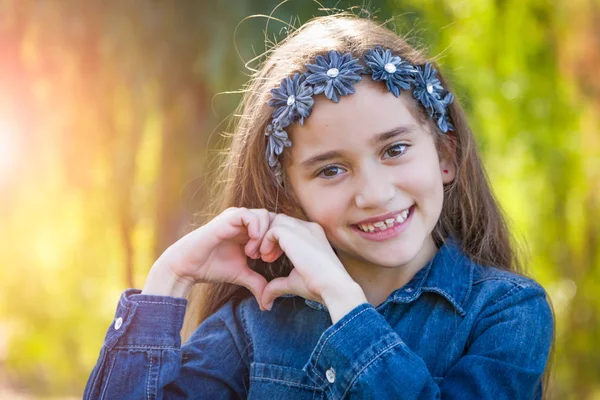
(335, 76)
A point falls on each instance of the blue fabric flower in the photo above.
(429, 91)
(278, 139)
(293, 100)
(335, 75)
(443, 120)
(397, 73)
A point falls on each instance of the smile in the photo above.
(387, 228)
(386, 224)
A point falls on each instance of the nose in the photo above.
(374, 189)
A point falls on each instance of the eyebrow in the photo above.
(402, 130)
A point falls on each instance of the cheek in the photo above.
(423, 181)
(325, 210)
(325, 206)
(321, 206)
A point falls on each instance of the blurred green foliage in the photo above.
(110, 114)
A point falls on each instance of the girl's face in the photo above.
(368, 157)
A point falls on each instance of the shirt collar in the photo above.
(449, 274)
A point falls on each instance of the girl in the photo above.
(361, 256)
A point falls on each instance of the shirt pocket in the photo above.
(270, 381)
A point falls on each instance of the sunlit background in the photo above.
(111, 113)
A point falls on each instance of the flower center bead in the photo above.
(333, 72)
(291, 100)
(429, 88)
(390, 68)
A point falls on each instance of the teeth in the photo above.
(367, 228)
(400, 218)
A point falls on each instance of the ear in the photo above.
(448, 161)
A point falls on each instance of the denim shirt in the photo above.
(457, 330)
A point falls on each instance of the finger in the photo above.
(275, 288)
(252, 223)
(274, 252)
(254, 282)
(274, 255)
(272, 216)
(244, 218)
(270, 241)
(252, 247)
(271, 247)
(253, 243)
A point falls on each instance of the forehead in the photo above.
(352, 121)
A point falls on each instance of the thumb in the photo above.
(253, 281)
(274, 289)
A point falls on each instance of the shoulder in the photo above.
(503, 282)
(500, 295)
(509, 319)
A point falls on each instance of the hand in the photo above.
(216, 252)
(317, 269)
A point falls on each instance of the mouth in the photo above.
(386, 228)
(387, 223)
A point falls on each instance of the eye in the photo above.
(329, 172)
(396, 150)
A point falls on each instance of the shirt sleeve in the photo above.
(142, 356)
(362, 357)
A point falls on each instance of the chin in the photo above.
(391, 261)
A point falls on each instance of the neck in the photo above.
(379, 282)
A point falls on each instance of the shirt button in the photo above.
(330, 374)
(118, 323)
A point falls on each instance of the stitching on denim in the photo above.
(469, 286)
(103, 393)
(382, 352)
(127, 318)
(145, 347)
(264, 378)
(320, 378)
(426, 274)
(149, 375)
(123, 303)
(316, 392)
(496, 278)
(448, 296)
(458, 259)
(159, 302)
(517, 280)
(245, 329)
(505, 295)
(334, 332)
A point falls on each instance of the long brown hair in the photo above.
(470, 212)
